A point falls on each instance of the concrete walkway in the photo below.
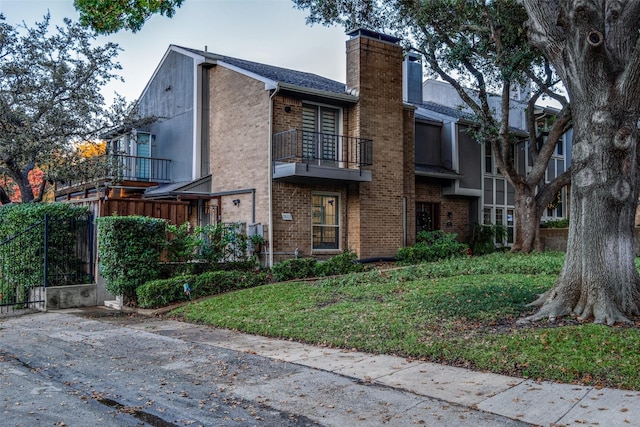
(538, 403)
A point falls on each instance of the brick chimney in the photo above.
(375, 209)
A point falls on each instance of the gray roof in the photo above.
(279, 74)
(448, 111)
(436, 171)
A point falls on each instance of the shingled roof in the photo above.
(278, 74)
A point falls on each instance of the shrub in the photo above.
(345, 263)
(558, 223)
(129, 251)
(432, 246)
(220, 243)
(158, 293)
(487, 238)
(297, 268)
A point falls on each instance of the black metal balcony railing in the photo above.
(322, 148)
(120, 167)
(135, 168)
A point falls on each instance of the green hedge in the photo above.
(158, 293)
(129, 250)
(21, 259)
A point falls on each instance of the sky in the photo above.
(268, 31)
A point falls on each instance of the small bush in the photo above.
(345, 263)
(158, 293)
(488, 238)
(558, 223)
(432, 246)
(298, 268)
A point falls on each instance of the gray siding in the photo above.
(427, 140)
(170, 97)
(470, 160)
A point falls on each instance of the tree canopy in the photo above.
(50, 82)
(110, 16)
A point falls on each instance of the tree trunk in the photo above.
(4, 197)
(527, 221)
(595, 47)
(599, 278)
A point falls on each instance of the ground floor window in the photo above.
(325, 221)
(427, 216)
(503, 216)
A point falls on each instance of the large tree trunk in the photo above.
(599, 278)
(596, 49)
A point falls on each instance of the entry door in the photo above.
(320, 134)
(427, 216)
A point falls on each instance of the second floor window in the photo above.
(320, 126)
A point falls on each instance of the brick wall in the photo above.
(239, 132)
(374, 71)
(295, 199)
(458, 222)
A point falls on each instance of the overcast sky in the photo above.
(267, 31)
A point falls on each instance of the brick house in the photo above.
(314, 165)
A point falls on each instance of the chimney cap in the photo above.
(373, 34)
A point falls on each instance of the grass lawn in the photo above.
(460, 312)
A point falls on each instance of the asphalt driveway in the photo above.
(63, 369)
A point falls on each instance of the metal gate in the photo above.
(51, 252)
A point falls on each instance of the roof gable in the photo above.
(272, 75)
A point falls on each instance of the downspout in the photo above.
(404, 221)
(270, 177)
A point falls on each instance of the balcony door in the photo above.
(320, 140)
(143, 155)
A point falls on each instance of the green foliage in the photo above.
(297, 268)
(180, 245)
(301, 268)
(487, 238)
(346, 262)
(558, 223)
(107, 17)
(129, 251)
(51, 95)
(158, 293)
(22, 252)
(221, 243)
(432, 246)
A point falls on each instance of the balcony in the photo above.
(310, 156)
(118, 168)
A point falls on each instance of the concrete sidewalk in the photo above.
(538, 403)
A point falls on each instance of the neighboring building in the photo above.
(314, 165)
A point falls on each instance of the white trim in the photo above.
(197, 118)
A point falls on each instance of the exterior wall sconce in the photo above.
(236, 202)
(287, 109)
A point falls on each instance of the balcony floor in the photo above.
(312, 172)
